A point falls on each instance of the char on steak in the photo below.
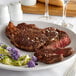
(57, 39)
(29, 37)
(50, 56)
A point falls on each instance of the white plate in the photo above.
(40, 66)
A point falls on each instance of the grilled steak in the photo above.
(29, 37)
(59, 39)
(25, 37)
(50, 56)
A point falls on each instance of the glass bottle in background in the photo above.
(46, 15)
(64, 21)
(15, 11)
(4, 15)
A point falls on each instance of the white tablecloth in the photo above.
(57, 71)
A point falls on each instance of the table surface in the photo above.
(48, 72)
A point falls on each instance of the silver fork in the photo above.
(72, 70)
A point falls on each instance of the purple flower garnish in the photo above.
(14, 53)
(31, 63)
(8, 48)
(34, 58)
(1, 44)
(1, 56)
